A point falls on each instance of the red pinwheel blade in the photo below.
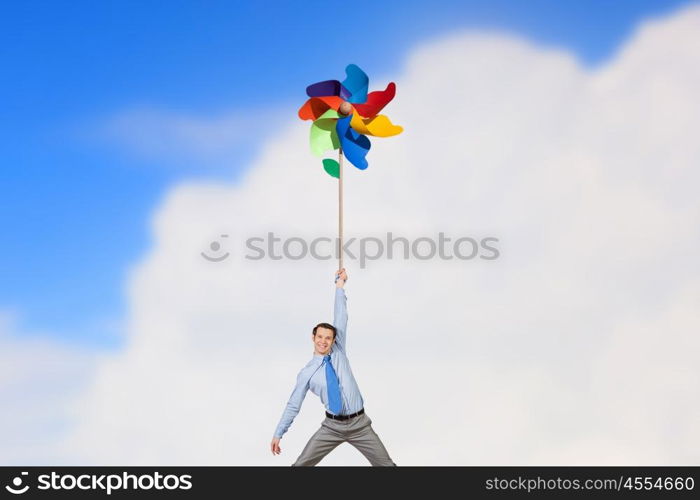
(376, 101)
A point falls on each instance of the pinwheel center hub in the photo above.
(345, 108)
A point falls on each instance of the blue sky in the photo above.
(75, 209)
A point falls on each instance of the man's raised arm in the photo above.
(340, 310)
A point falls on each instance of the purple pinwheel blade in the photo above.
(323, 89)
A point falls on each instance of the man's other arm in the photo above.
(291, 410)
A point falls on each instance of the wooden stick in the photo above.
(340, 208)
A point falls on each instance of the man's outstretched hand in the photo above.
(341, 276)
(275, 446)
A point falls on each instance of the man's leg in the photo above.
(368, 443)
(321, 444)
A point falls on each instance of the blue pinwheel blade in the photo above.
(354, 145)
(354, 87)
(323, 89)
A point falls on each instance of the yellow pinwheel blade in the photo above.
(379, 126)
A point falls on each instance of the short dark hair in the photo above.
(325, 325)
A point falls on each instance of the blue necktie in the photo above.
(334, 401)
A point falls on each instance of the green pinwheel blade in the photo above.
(323, 133)
(331, 167)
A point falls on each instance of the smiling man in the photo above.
(328, 375)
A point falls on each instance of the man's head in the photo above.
(323, 337)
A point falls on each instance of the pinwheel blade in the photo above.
(331, 167)
(379, 126)
(354, 87)
(376, 101)
(325, 88)
(355, 146)
(315, 107)
(323, 136)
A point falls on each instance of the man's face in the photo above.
(323, 340)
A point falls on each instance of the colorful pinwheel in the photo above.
(343, 115)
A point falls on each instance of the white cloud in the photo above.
(576, 346)
(39, 379)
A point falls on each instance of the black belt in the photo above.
(344, 417)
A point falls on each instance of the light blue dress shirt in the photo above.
(314, 378)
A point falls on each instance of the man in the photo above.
(328, 375)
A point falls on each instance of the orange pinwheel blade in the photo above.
(316, 106)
